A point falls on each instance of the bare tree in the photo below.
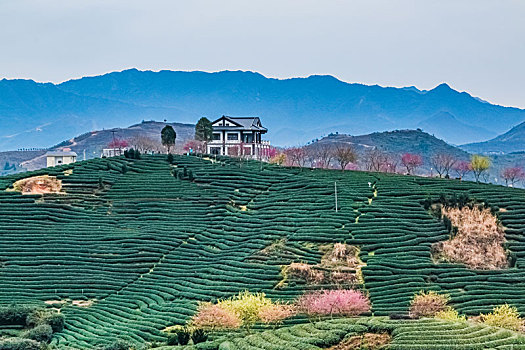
(344, 154)
(443, 163)
(375, 160)
(296, 156)
(321, 154)
(145, 144)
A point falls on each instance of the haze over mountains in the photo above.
(295, 110)
(511, 141)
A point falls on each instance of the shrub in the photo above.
(19, 344)
(118, 345)
(450, 315)
(394, 316)
(170, 158)
(247, 306)
(276, 313)
(504, 316)
(173, 339)
(15, 314)
(345, 302)
(215, 317)
(199, 336)
(41, 333)
(428, 304)
(303, 271)
(183, 335)
(56, 321)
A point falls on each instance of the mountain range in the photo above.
(295, 110)
(511, 141)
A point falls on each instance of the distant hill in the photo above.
(511, 141)
(398, 142)
(295, 110)
(445, 126)
(92, 143)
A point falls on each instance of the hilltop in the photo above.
(91, 143)
(128, 247)
(295, 110)
(398, 142)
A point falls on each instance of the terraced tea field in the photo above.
(132, 246)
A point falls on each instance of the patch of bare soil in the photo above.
(38, 185)
(82, 303)
(478, 242)
(340, 264)
(368, 341)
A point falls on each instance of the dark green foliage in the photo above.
(129, 153)
(199, 336)
(183, 336)
(137, 154)
(118, 345)
(203, 130)
(168, 136)
(20, 344)
(173, 339)
(190, 175)
(15, 314)
(124, 168)
(170, 158)
(55, 320)
(41, 333)
(447, 223)
(185, 172)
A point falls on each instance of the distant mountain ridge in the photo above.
(295, 110)
(511, 141)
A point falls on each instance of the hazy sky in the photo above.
(476, 45)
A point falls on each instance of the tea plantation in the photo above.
(132, 246)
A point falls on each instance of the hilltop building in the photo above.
(113, 152)
(55, 158)
(238, 136)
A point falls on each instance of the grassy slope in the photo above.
(148, 246)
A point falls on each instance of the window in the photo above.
(233, 137)
(216, 136)
(215, 150)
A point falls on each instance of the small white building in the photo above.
(238, 136)
(55, 158)
(113, 152)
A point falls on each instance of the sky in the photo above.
(474, 45)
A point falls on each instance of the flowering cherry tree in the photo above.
(513, 175)
(346, 302)
(411, 162)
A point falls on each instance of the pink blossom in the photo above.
(345, 302)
